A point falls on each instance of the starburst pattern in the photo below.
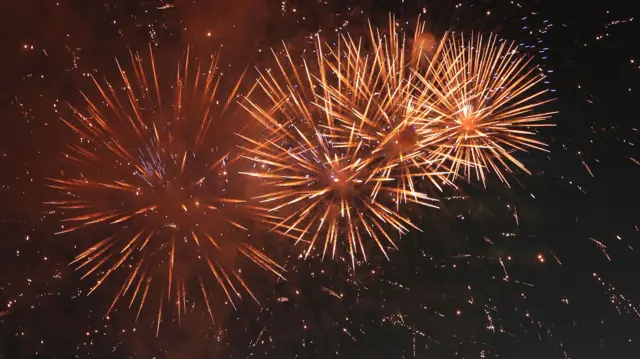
(149, 173)
(376, 95)
(484, 92)
(325, 160)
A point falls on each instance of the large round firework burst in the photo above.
(150, 178)
(324, 161)
(483, 92)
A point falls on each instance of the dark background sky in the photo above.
(589, 51)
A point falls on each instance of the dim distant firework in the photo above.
(149, 176)
(483, 92)
(322, 163)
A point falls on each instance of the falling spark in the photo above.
(602, 247)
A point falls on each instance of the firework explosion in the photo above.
(375, 95)
(483, 92)
(365, 121)
(590, 62)
(324, 168)
(377, 111)
(149, 173)
(446, 292)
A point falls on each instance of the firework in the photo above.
(149, 176)
(486, 105)
(325, 160)
(375, 95)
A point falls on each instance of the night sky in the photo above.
(567, 233)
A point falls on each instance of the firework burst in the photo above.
(325, 159)
(486, 104)
(149, 174)
(375, 95)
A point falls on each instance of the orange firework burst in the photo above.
(325, 160)
(483, 93)
(151, 179)
(376, 96)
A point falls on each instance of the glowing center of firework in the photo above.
(174, 201)
(339, 178)
(170, 190)
(467, 120)
(407, 137)
(341, 183)
(468, 124)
